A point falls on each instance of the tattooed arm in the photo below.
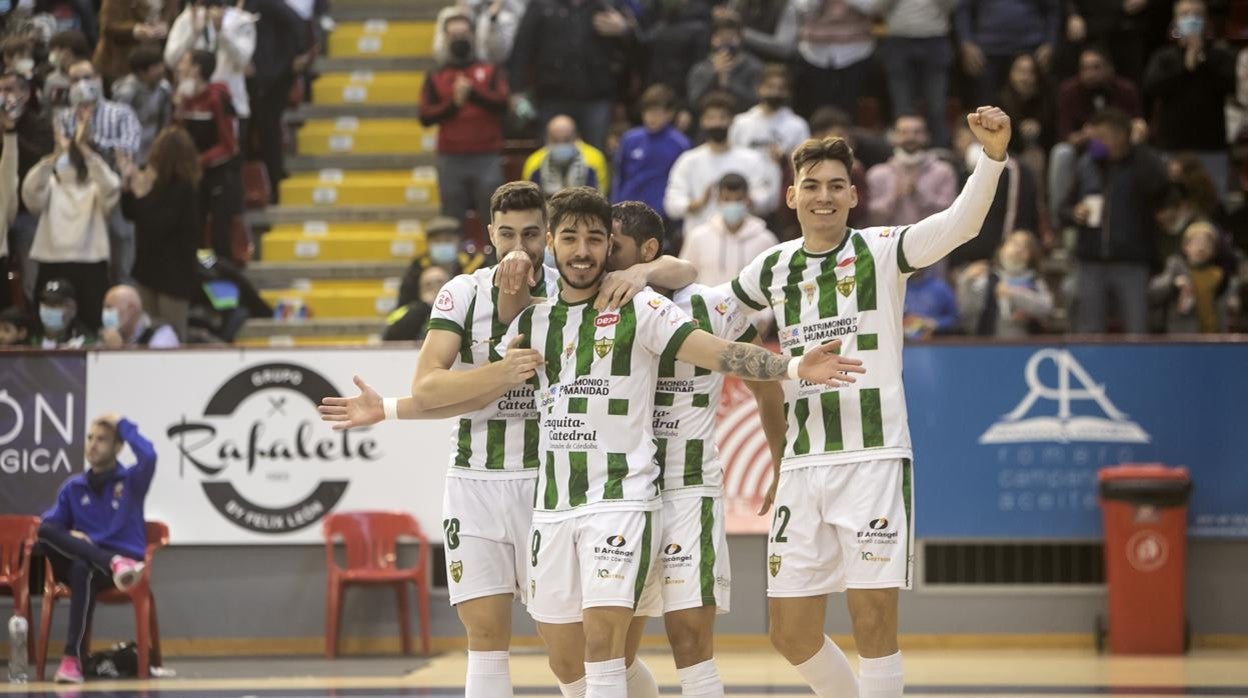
(750, 362)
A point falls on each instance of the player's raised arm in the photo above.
(619, 287)
(929, 240)
(822, 365)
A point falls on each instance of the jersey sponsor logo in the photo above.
(445, 301)
(457, 570)
(847, 262)
(672, 549)
(886, 232)
(604, 573)
(722, 308)
(613, 550)
(877, 532)
(616, 541)
(845, 286)
(606, 320)
(547, 397)
(1074, 385)
(655, 303)
(603, 346)
(773, 564)
(878, 524)
(868, 556)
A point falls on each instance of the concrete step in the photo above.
(381, 38)
(354, 161)
(274, 215)
(308, 111)
(269, 274)
(373, 243)
(352, 188)
(368, 87)
(347, 64)
(338, 302)
(353, 135)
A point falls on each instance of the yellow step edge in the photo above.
(314, 341)
(366, 144)
(340, 305)
(335, 176)
(361, 248)
(324, 228)
(352, 124)
(318, 286)
(363, 194)
(368, 87)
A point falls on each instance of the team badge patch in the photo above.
(445, 301)
(846, 285)
(808, 289)
(602, 346)
(722, 308)
(773, 565)
(569, 350)
(655, 303)
(457, 570)
(886, 232)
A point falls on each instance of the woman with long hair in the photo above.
(162, 199)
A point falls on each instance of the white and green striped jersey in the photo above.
(595, 395)
(687, 396)
(856, 293)
(500, 440)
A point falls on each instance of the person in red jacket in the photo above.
(206, 111)
(467, 98)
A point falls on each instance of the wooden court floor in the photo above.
(979, 673)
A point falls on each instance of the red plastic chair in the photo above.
(18, 535)
(371, 539)
(140, 595)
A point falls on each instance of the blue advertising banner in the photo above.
(1008, 439)
(42, 429)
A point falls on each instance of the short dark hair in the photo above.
(1112, 117)
(72, 40)
(517, 196)
(144, 56)
(16, 44)
(775, 70)
(717, 100)
(813, 150)
(639, 222)
(658, 96)
(206, 61)
(22, 81)
(579, 204)
(733, 182)
(727, 21)
(1099, 51)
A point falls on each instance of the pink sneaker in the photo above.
(70, 671)
(126, 572)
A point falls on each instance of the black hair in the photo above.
(639, 222)
(579, 204)
(206, 61)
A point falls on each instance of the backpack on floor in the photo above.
(121, 661)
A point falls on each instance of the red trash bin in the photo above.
(1145, 516)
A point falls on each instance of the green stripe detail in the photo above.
(463, 451)
(554, 343)
(532, 437)
(864, 274)
(617, 470)
(907, 497)
(495, 443)
(525, 327)
(693, 462)
(441, 323)
(797, 350)
(617, 407)
(793, 289)
(643, 561)
(748, 335)
(673, 345)
(497, 328)
(706, 543)
(585, 342)
(872, 419)
(578, 405)
(625, 331)
(703, 319)
(550, 499)
(701, 400)
(578, 481)
(660, 457)
(465, 339)
(786, 428)
(801, 413)
(742, 296)
(765, 278)
(868, 341)
(828, 303)
(833, 440)
(664, 399)
(902, 263)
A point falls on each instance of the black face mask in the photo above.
(461, 49)
(773, 102)
(718, 134)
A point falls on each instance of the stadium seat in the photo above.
(371, 541)
(18, 535)
(147, 630)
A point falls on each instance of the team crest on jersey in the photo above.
(569, 350)
(547, 397)
(445, 301)
(808, 289)
(846, 285)
(602, 346)
(655, 303)
(457, 570)
(773, 565)
(722, 308)
(886, 232)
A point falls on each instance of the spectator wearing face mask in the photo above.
(64, 50)
(466, 98)
(732, 237)
(444, 248)
(18, 53)
(410, 322)
(72, 192)
(123, 323)
(229, 33)
(914, 183)
(59, 323)
(148, 93)
(692, 187)
(566, 161)
(770, 127)
(33, 130)
(1007, 298)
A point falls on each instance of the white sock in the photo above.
(489, 675)
(828, 672)
(881, 678)
(606, 679)
(641, 683)
(576, 689)
(701, 679)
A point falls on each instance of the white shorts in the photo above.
(485, 525)
(692, 568)
(840, 527)
(593, 560)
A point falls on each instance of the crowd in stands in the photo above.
(126, 127)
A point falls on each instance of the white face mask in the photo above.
(110, 318)
(25, 66)
(188, 87)
(84, 92)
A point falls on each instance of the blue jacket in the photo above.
(643, 162)
(1008, 27)
(114, 519)
(928, 296)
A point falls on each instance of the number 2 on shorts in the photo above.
(782, 512)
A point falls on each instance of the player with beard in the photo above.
(488, 502)
(597, 506)
(691, 580)
(843, 518)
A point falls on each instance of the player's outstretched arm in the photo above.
(513, 276)
(929, 240)
(619, 287)
(368, 408)
(436, 385)
(823, 364)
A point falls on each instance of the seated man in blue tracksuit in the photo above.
(95, 534)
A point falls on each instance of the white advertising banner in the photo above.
(243, 455)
